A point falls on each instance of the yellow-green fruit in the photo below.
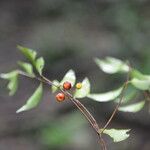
(79, 85)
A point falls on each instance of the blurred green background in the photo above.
(69, 34)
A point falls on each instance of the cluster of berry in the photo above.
(66, 86)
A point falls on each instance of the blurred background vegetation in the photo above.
(69, 34)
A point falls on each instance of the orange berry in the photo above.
(79, 85)
(60, 97)
(67, 85)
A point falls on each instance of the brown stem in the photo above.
(120, 101)
(102, 143)
(90, 118)
(147, 95)
(116, 108)
(83, 110)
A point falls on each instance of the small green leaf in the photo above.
(141, 84)
(27, 67)
(9, 75)
(112, 65)
(28, 53)
(137, 74)
(33, 101)
(117, 135)
(84, 91)
(13, 81)
(40, 65)
(133, 107)
(105, 97)
(70, 77)
(13, 85)
(54, 88)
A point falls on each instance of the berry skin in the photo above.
(67, 85)
(79, 85)
(60, 97)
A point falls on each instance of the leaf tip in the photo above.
(2, 75)
(23, 108)
(19, 47)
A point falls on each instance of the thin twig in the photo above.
(102, 143)
(120, 101)
(116, 108)
(83, 110)
(80, 106)
(147, 97)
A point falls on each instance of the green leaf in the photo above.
(28, 53)
(70, 77)
(141, 84)
(54, 88)
(33, 101)
(117, 135)
(40, 65)
(112, 65)
(137, 74)
(27, 67)
(129, 94)
(105, 97)
(13, 85)
(84, 91)
(133, 107)
(13, 81)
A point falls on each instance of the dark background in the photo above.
(69, 34)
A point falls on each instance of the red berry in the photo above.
(67, 85)
(60, 97)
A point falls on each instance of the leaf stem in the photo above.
(120, 101)
(116, 108)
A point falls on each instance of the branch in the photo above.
(120, 101)
(116, 108)
(77, 103)
(83, 110)
(147, 95)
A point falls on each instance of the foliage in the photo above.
(117, 135)
(112, 65)
(27, 67)
(12, 77)
(133, 107)
(105, 97)
(137, 82)
(33, 100)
